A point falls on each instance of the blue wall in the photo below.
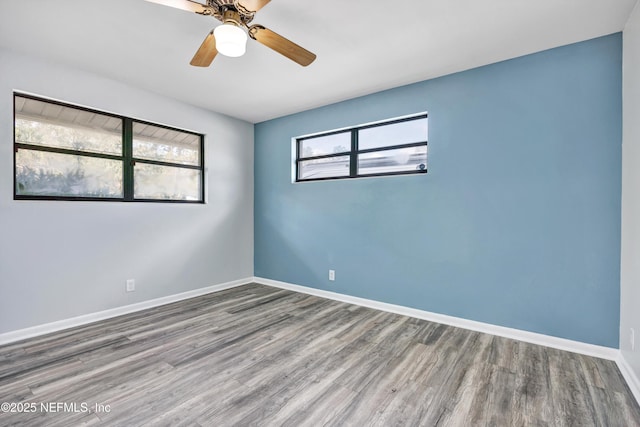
(517, 222)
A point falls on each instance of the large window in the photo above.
(63, 152)
(393, 147)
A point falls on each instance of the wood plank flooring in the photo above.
(260, 356)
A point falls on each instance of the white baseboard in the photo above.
(9, 337)
(629, 375)
(517, 334)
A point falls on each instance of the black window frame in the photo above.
(127, 158)
(354, 150)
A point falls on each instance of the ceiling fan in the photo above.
(230, 38)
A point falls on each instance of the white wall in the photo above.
(630, 256)
(64, 259)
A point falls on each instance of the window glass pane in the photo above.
(40, 173)
(166, 182)
(165, 145)
(323, 145)
(389, 161)
(394, 134)
(324, 168)
(53, 125)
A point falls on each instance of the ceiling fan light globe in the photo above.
(230, 40)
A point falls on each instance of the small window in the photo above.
(393, 147)
(167, 163)
(64, 152)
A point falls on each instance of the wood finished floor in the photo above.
(256, 355)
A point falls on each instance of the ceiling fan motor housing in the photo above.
(232, 17)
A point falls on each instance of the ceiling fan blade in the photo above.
(253, 5)
(281, 45)
(205, 54)
(188, 5)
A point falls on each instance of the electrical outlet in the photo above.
(332, 275)
(632, 338)
(131, 285)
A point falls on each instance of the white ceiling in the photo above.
(362, 46)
